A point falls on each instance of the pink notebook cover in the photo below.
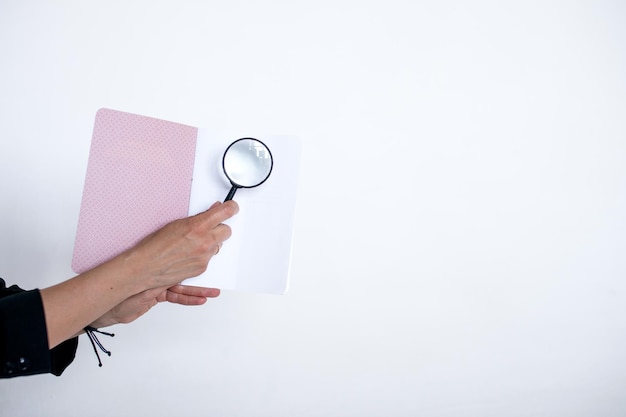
(138, 179)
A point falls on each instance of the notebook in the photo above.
(144, 172)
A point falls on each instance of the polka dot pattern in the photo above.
(138, 179)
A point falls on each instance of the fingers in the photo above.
(195, 291)
(218, 213)
(211, 220)
(188, 295)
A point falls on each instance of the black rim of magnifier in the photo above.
(236, 186)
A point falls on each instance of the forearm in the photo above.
(77, 302)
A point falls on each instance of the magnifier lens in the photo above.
(247, 163)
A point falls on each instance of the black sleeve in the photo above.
(24, 338)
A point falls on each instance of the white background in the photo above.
(460, 228)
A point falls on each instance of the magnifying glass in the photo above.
(247, 163)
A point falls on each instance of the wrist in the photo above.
(126, 274)
(104, 321)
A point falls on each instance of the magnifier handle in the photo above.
(231, 193)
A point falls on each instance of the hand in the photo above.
(125, 287)
(181, 249)
(134, 307)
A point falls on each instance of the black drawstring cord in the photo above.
(94, 341)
